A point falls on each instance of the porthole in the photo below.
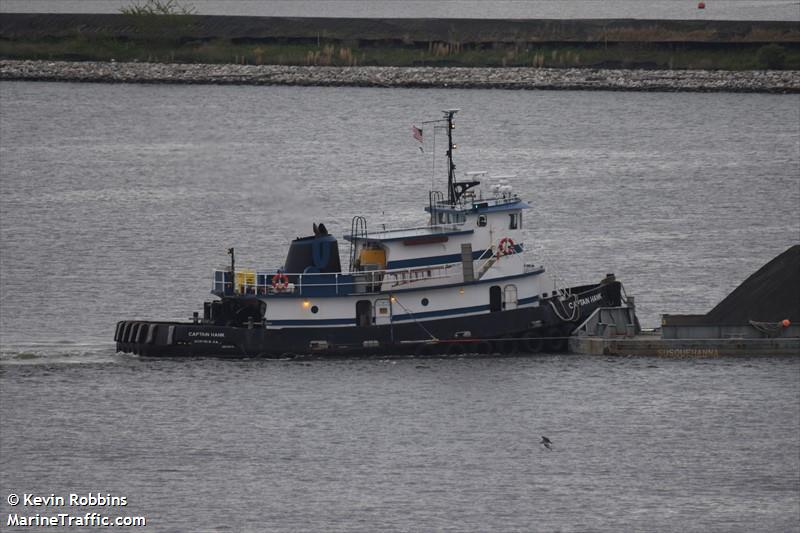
(314, 309)
(424, 301)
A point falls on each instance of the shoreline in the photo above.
(522, 78)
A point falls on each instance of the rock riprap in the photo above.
(770, 81)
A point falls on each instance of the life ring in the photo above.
(280, 282)
(506, 247)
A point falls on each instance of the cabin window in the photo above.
(441, 217)
(424, 301)
(513, 222)
(482, 220)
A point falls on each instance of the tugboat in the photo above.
(459, 284)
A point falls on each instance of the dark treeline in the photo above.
(624, 43)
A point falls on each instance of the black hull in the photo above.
(526, 330)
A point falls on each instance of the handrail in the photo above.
(353, 272)
(357, 272)
(358, 278)
(491, 256)
(505, 198)
(402, 276)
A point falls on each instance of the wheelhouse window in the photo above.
(450, 217)
(514, 221)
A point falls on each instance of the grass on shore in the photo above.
(619, 55)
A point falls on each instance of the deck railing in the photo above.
(247, 281)
(260, 282)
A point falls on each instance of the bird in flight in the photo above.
(547, 443)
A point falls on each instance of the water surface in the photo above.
(117, 201)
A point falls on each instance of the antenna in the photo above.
(453, 192)
(451, 171)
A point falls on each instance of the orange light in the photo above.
(785, 323)
(306, 303)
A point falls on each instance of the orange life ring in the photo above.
(280, 282)
(506, 247)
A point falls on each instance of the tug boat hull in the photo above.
(522, 330)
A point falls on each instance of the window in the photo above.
(481, 220)
(512, 222)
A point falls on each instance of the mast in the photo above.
(452, 197)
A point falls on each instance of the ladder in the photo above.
(358, 231)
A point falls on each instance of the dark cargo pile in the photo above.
(771, 294)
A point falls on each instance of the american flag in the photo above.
(417, 132)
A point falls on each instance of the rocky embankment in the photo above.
(478, 78)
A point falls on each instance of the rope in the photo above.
(770, 329)
(417, 322)
(575, 308)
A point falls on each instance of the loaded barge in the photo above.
(461, 283)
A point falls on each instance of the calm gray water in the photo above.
(514, 9)
(439, 445)
(116, 201)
